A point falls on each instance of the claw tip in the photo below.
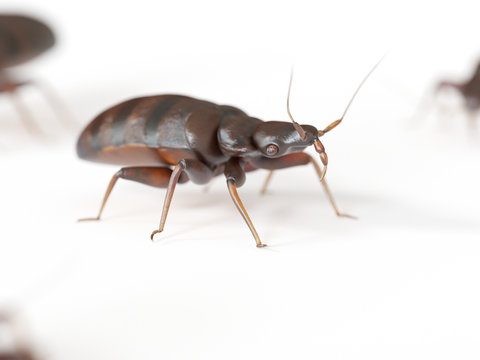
(153, 234)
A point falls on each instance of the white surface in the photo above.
(401, 282)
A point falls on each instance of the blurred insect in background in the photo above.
(170, 139)
(451, 99)
(22, 39)
(469, 90)
(15, 348)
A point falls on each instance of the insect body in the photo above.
(22, 39)
(19, 350)
(470, 90)
(168, 139)
(17, 354)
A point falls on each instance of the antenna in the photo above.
(336, 122)
(295, 124)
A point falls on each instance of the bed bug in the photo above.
(22, 39)
(19, 350)
(168, 139)
(469, 90)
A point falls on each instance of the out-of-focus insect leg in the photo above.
(25, 115)
(473, 116)
(263, 191)
(55, 102)
(298, 159)
(207, 187)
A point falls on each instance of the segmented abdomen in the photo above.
(22, 38)
(141, 131)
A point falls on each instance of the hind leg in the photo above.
(153, 176)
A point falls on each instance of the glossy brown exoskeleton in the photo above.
(470, 90)
(170, 139)
(22, 39)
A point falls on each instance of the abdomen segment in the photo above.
(141, 131)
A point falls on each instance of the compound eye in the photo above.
(272, 149)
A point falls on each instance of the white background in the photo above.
(399, 282)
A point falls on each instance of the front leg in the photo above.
(235, 175)
(291, 160)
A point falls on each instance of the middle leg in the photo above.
(197, 171)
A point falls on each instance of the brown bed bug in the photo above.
(168, 139)
(469, 90)
(18, 350)
(23, 38)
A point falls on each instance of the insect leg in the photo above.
(24, 113)
(10, 86)
(153, 176)
(198, 172)
(296, 159)
(283, 162)
(327, 189)
(236, 176)
(54, 100)
(267, 181)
